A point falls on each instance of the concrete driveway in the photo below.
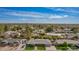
(51, 48)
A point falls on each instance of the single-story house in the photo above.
(68, 30)
(10, 42)
(11, 34)
(77, 35)
(39, 31)
(70, 35)
(68, 41)
(40, 41)
(55, 34)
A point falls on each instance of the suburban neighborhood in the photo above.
(39, 28)
(39, 37)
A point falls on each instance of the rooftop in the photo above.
(68, 41)
(39, 41)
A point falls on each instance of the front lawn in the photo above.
(59, 47)
(41, 47)
(29, 47)
(63, 46)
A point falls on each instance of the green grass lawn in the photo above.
(41, 47)
(29, 47)
(63, 46)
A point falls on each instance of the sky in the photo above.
(53, 15)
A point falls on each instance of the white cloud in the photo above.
(69, 10)
(27, 14)
(37, 15)
(66, 16)
(34, 15)
(58, 16)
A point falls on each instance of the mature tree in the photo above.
(1, 36)
(42, 35)
(28, 32)
(75, 30)
(14, 28)
(1, 28)
(65, 44)
(49, 29)
(6, 28)
(49, 37)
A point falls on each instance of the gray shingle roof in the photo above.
(39, 41)
(9, 41)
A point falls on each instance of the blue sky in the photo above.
(59, 15)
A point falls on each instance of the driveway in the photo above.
(8, 48)
(51, 48)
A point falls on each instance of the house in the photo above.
(66, 30)
(69, 36)
(11, 34)
(39, 31)
(77, 34)
(9, 42)
(68, 41)
(58, 30)
(46, 42)
(55, 34)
